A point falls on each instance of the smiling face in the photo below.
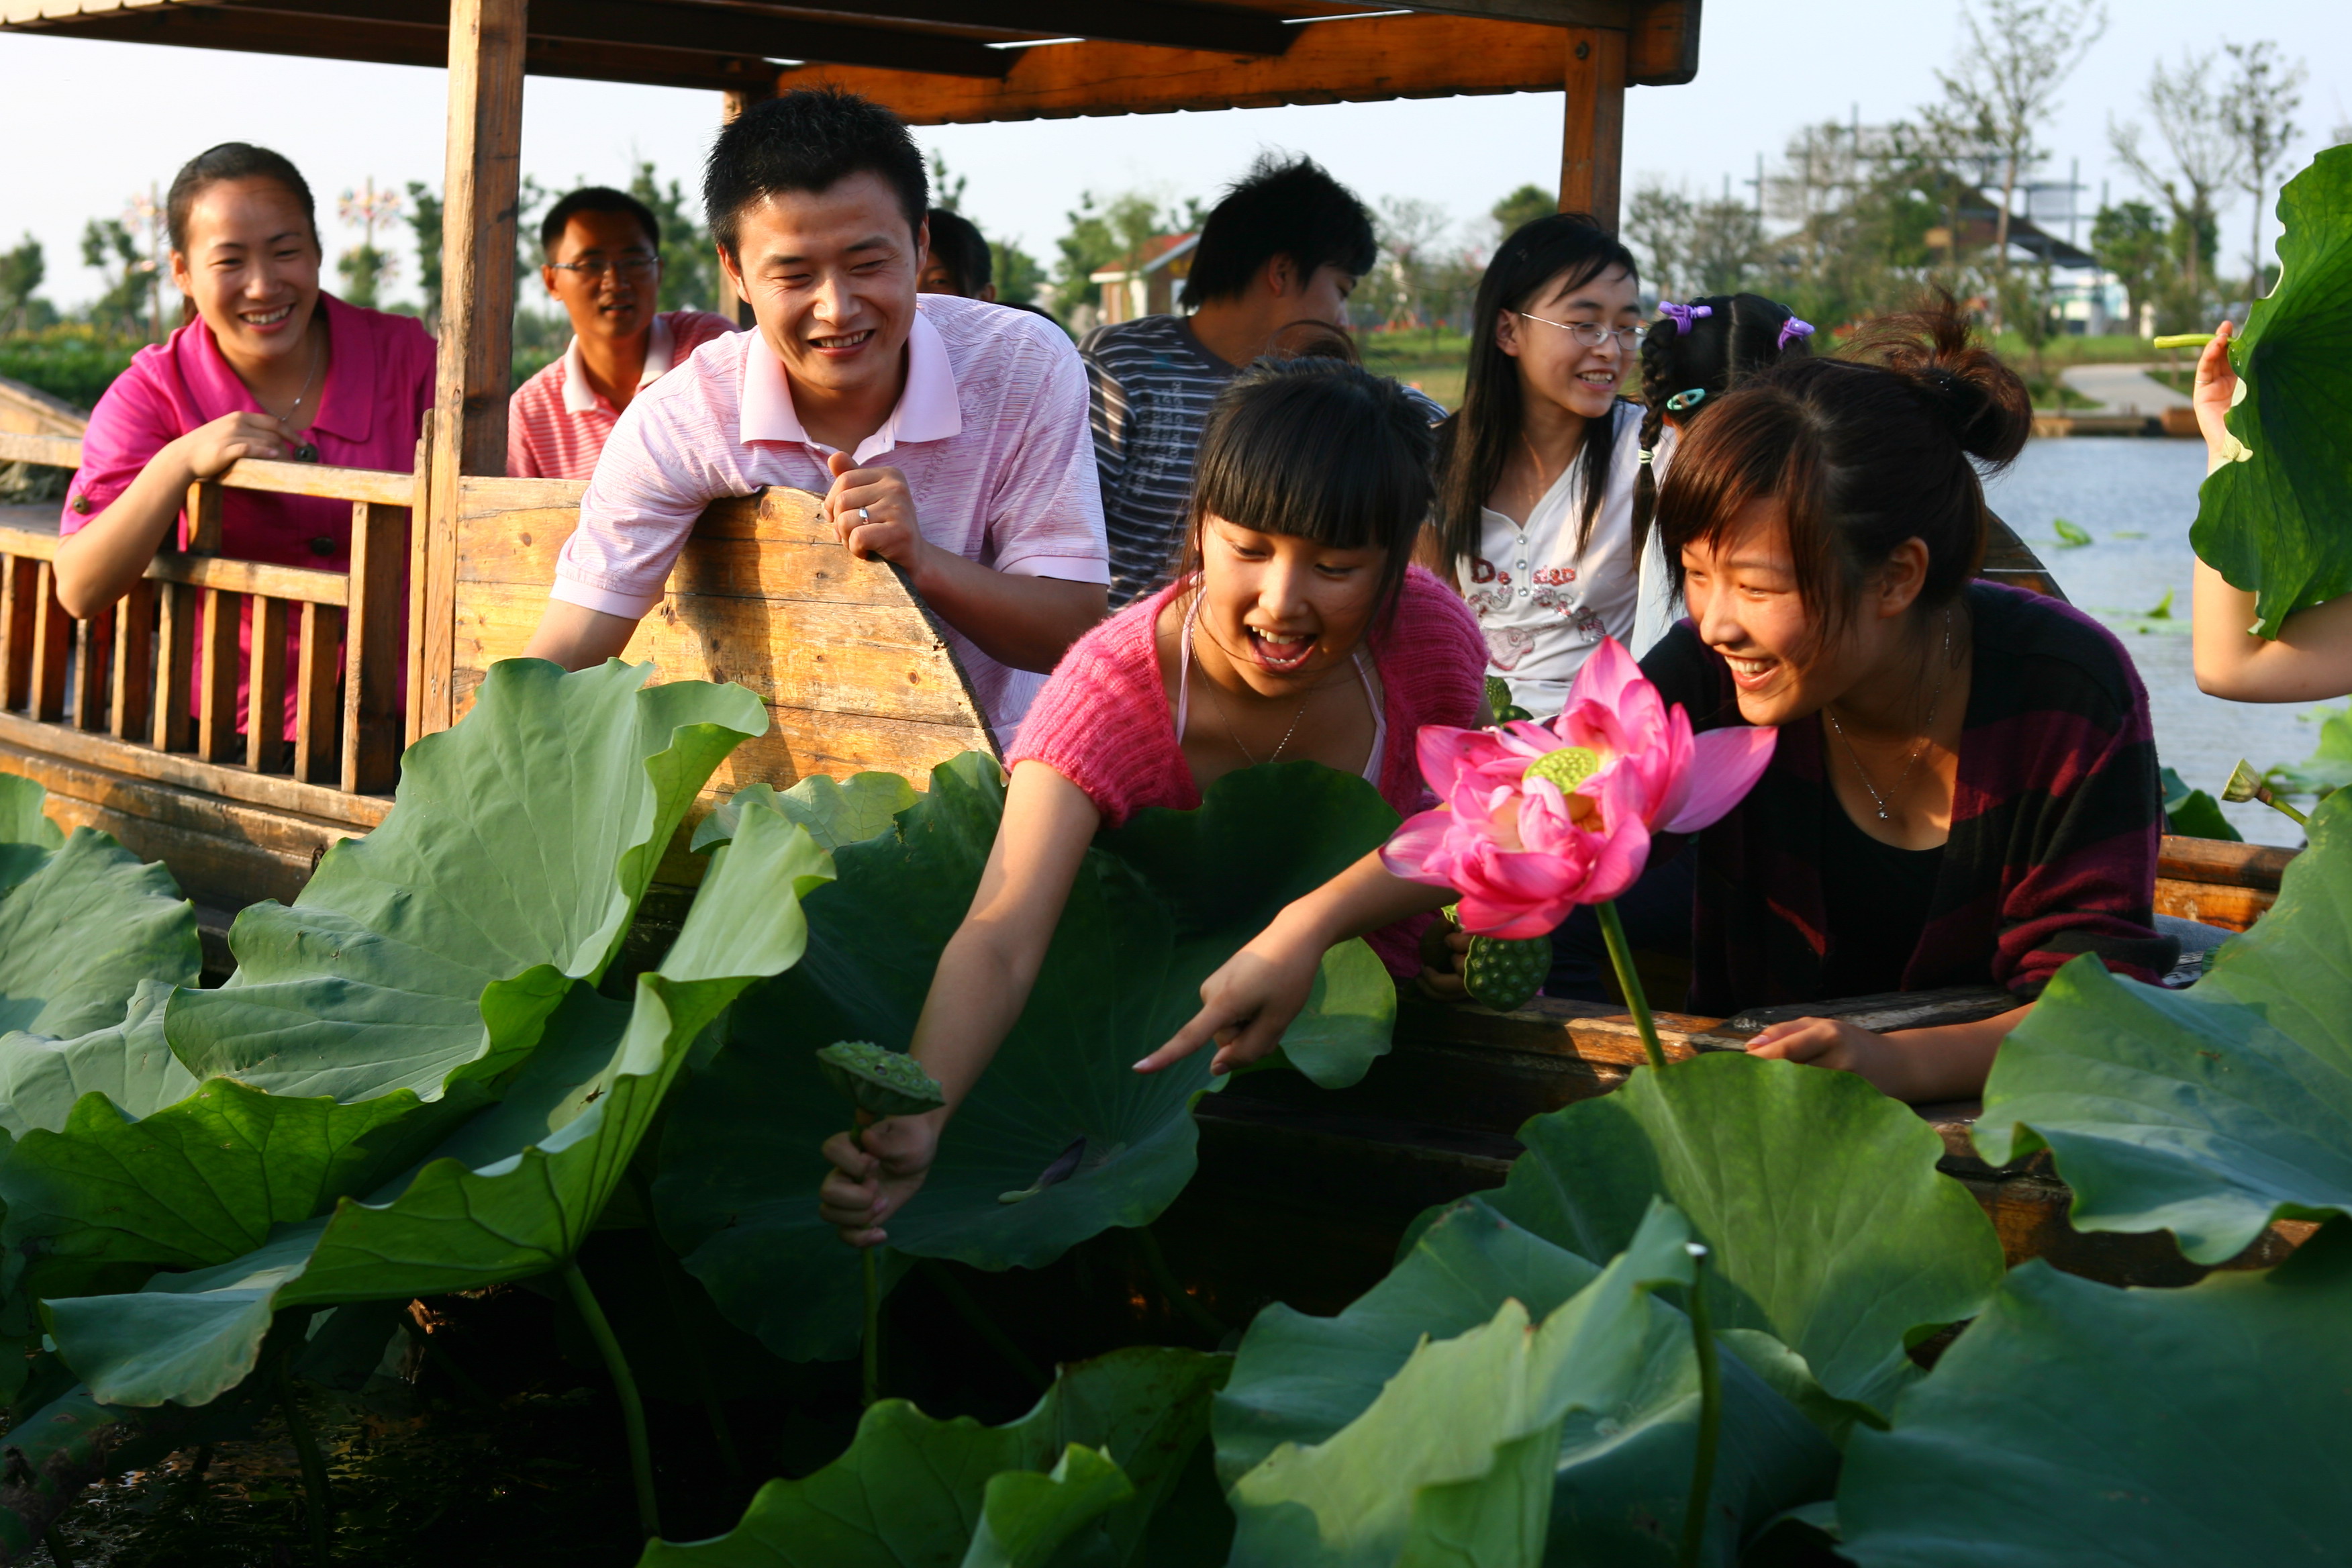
(1282, 608)
(1741, 592)
(831, 276)
(251, 268)
(1552, 363)
(618, 304)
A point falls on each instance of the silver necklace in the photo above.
(1238, 745)
(1917, 752)
(304, 451)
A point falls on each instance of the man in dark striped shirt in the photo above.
(1276, 258)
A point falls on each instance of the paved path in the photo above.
(2122, 388)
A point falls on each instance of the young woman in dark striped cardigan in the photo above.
(1965, 790)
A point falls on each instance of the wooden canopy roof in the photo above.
(959, 61)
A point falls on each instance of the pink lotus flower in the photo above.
(1538, 819)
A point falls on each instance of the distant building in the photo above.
(1144, 281)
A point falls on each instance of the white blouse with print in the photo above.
(1543, 603)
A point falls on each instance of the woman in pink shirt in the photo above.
(1298, 629)
(266, 366)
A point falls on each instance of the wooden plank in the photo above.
(42, 451)
(1228, 29)
(176, 771)
(176, 667)
(469, 408)
(302, 585)
(216, 696)
(387, 486)
(93, 643)
(2212, 903)
(265, 720)
(52, 629)
(377, 623)
(2219, 862)
(28, 411)
(1352, 59)
(1592, 141)
(204, 518)
(20, 582)
(317, 758)
(131, 704)
(1661, 48)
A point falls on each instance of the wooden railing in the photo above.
(160, 669)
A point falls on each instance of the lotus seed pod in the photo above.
(1568, 767)
(1499, 703)
(1504, 972)
(878, 1081)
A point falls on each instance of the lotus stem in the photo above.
(983, 1325)
(1637, 1001)
(2182, 341)
(60, 1553)
(319, 1501)
(1170, 1286)
(632, 1409)
(872, 1389)
(1710, 1415)
(2245, 783)
(722, 1436)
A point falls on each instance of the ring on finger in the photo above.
(864, 517)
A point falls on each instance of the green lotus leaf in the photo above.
(82, 922)
(1620, 1472)
(2193, 811)
(1154, 910)
(2273, 523)
(130, 1062)
(508, 1195)
(878, 1081)
(912, 1490)
(2075, 1423)
(834, 812)
(2210, 1111)
(1831, 1228)
(1452, 1460)
(511, 867)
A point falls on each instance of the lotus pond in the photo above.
(471, 1219)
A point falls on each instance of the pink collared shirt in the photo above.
(557, 422)
(990, 433)
(371, 405)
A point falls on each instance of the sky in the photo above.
(87, 126)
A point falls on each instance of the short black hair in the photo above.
(810, 139)
(598, 199)
(958, 246)
(1321, 449)
(1279, 208)
(231, 161)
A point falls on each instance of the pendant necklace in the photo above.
(1246, 755)
(304, 451)
(1919, 751)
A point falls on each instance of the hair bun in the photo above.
(1972, 394)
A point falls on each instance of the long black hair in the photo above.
(1710, 354)
(1476, 441)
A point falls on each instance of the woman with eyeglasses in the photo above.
(603, 264)
(1534, 516)
(266, 364)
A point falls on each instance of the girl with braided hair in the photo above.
(1691, 353)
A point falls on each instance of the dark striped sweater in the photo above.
(2055, 822)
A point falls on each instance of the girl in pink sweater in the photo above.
(1296, 630)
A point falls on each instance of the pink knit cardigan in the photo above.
(1102, 720)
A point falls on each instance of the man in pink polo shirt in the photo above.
(947, 437)
(603, 264)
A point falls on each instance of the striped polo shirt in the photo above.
(557, 422)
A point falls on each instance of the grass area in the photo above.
(75, 363)
(1432, 360)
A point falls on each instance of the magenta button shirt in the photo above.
(371, 410)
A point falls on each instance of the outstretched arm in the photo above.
(983, 983)
(1947, 1061)
(2311, 659)
(578, 638)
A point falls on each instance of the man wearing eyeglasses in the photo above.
(603, 261)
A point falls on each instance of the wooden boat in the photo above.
(450, 562)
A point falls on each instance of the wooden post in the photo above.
(175, 665)
(733, 102)
(216, 706)
(316, 758)
(134, 648)
(418, 532)
(1593, 147)
(371, 649)
(20, 580)
(205, 517)
(480, 189)
(265, 716)
(93, 641)
(52, 634)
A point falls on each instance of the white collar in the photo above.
(579, 397)
(929, 409)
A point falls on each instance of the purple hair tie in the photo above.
(1682, 315)
(1793, 328)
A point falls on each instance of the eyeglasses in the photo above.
(1592, 334)
(637, 264)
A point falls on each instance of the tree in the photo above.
(1660, 225)
(2259, 111)
(109, 247)
(1412, 262)
(2130, 242)
(2005, 84)
(689, 257)
(947, 190)
(1101, 235)
(425, 222)
(1018, 274)
(366, 269)
(1522, 207)
(21, 273)
(2194, 128)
